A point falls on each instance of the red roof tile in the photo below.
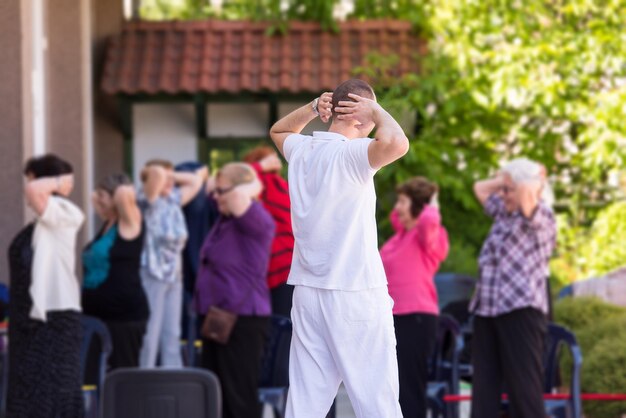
(233, 56)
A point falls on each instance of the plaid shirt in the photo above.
(513, 262)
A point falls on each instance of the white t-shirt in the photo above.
(333, 205)
(54, 284)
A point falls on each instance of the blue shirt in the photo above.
(166, 234)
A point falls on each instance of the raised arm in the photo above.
(390, 141)
(38, 191)
(190, 183)
(242, 196)
(528, 196)
(485, 188)
(154, 179)
(130, 216)
(295, 122)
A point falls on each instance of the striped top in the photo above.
(275, 198)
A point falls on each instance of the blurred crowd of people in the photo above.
(183, 242)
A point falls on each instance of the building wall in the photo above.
(12, 116)
(107, 18)
(237, 119)
(163, 131)
(68, 95)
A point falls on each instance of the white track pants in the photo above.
(343, 336)
(163, 329)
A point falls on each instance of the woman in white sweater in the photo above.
(44, 326)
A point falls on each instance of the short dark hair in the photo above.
(355, 86)
(48, 165)
(420, 191)
(111, 182)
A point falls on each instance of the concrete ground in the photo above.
(344, 409)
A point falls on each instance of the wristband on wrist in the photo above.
(314, 106)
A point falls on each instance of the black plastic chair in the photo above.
(4, 370)
(274, 379)
(452, 288)
(557, 338)
(444, 368)
(94, 331)
(163, 393)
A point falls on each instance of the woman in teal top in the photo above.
(112, 285)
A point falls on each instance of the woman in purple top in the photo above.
(232, 276)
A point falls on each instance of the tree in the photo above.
(539, 78)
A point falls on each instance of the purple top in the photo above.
(233, 264)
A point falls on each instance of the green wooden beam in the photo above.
(201, 128)
(126, 120)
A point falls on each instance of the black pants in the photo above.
(237, 365)
(282, 297)
(415, 336)
(507, 355)
(126, 338)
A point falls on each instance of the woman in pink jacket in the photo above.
(411, 258)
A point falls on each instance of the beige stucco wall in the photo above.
(68, 100)
(12, 132)
(108, 150)
(69, 110)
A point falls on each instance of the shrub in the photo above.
(604, 372)
(599, 327)
(577, 313)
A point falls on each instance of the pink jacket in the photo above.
(411, 259)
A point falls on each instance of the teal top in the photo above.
(96, 259)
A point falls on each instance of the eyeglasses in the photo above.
(219, 191)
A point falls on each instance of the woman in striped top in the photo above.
(275, 198)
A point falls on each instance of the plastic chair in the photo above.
(565, 291)
(452, 287)
(94, 328)
(444, 368)
(558, 337)
(274, 379)
(163, 393)
(4, 371)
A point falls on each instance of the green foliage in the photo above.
(538, 78)
(279, 12)
(604, 372)
(579, 313)
(594, 251)
(600, 329)
(606, 250)
(461, 259)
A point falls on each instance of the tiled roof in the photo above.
(234, 56)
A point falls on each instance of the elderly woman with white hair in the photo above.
(511, 299)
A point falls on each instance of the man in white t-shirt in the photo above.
(342, 320)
